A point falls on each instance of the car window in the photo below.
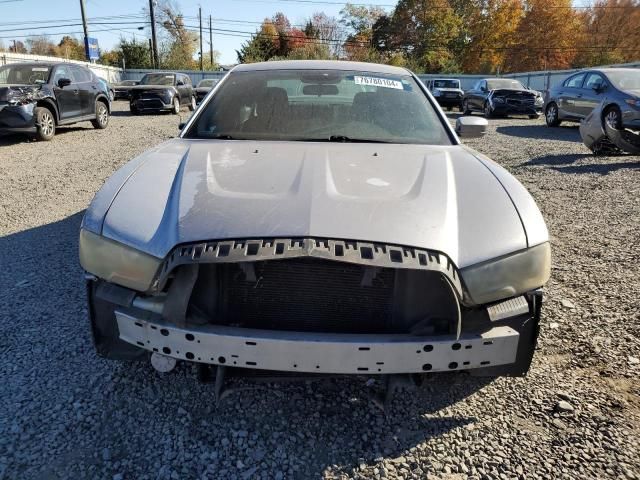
(594, 80)
(158, 79)
(316, 105)
(81, 74)
(62, 71)
(627, 79)
(446, 84)
(575, 81)
(498, 83)
(24, 74)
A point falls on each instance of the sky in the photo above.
(21, 18)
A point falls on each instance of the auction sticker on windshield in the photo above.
(378, 82)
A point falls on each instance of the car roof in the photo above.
(320, 65)
(606, 70)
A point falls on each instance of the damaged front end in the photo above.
(314, 305)
(17, 107)
(604, 137)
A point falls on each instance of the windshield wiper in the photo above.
(345, 139)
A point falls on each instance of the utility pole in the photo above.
(200, 17)
(86, 31)
(210, 43)
(152, 55)
(154, 48)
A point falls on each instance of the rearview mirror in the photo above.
(471, 127)
(320, 89)
(63, 82)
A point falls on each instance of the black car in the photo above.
(37, 97)
(204, 87)
(162, 91)
(617, 89)
(502, 96)
(121, 89)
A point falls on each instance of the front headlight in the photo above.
(20, 95)
(508, 276)
(436, 92)
(539, 100)
(117, 263)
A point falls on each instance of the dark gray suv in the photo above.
(575, 98)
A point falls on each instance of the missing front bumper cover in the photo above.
(321, 352)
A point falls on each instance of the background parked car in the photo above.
(121, 89)
(38, 97)
(447, 92)
(204, 87)
(575, 98)
(502, 96)
(108, 88)
(162, 91)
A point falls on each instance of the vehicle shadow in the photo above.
(542, 132)
(44, 294)
(566, 163)
(13, 139)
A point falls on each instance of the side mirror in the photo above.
(471, 127)
(179, 83)
(63, 82)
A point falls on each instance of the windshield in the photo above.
(320, 105)
(207, 83)
(505, 83)
(157, 79)
(625, 79)
(446, 84)
(24, 74)
(126, 83)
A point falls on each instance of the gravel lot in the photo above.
(64, 413)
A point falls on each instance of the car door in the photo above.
(479, 95)
(184, 89)
(86, 89)
(67, 96)
(593, 90)
(570, 95)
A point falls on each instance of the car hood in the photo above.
(436, 197)
(203, 89)
(144, 88)
(634, 93)
(456, 90)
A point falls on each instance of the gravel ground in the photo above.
(64, 413)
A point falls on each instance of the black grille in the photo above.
(308, 294)
(519, 101)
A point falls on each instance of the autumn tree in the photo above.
(41, 45)
(611, 33)
(179, 44)
(71, 48)
(359, 20)
(325, 30)
(547, 37)
(135, 54)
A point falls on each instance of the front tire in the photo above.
(45, 124)
(551, 115)
(176, 106)
(487, 110)
(465, 107)
(613, 117)
(102, 116)
(192, 105)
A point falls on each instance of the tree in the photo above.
(111, 57)
(611, 33)
(325, 30)
(491, 29)
(41, 45)
(424, 30)
(135, 54)
(547, 37)
(179, 45)
(18, 47)
(70, 48)
(360, 20)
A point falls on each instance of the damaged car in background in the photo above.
(502, 97)
(36, 98)
(317, 217)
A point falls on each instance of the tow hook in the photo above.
(162, 363)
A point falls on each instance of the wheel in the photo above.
(613, 117)
(102, 116)
(176, 106)
(45, 124)
(551, 115)
(465, 107)
(192, 105)
(487, 110)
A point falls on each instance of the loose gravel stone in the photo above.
(62, 407)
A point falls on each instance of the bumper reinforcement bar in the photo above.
(321, 352)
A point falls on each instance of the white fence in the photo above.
(110, 74)
(541, 80)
